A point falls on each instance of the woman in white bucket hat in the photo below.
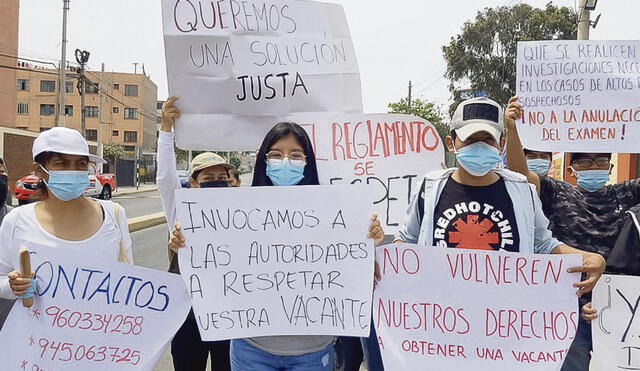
(64, 218)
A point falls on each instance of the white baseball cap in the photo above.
(475, 115)
(63, 140)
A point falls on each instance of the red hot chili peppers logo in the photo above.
(471, 225)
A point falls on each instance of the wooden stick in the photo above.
(25, 272)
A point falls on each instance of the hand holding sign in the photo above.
(579, 96)
(92, 315)
(267, 261)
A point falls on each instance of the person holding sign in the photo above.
(589, 215)
(207, 170)
(478, 205)
(285, 158)
(64, 218)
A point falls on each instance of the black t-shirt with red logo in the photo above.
(470, 217)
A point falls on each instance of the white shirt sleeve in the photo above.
(7, 254)
(167, 176)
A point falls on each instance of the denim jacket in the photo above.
(535, 236)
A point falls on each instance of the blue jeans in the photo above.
(246, 357)
(579, 354)
(371, 350)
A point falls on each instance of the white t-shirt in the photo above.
(21, 228)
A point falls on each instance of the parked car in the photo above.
(100, 185)
(183, 175)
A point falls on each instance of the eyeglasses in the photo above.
(295, 158)
(588, 162)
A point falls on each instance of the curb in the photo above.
(146, 221)
(133, 192)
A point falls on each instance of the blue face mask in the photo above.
(539, 166)
(282, 173)
(67, 185)
(478, 158)
(592, 180)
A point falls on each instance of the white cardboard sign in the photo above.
(457, 309)
(92, 315)
(239, 67)
(265, 261)
(579, 96)
(390, 152)
(616, 332)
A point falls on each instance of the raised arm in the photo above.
(516, 160)
(167, 175)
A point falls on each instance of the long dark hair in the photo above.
(276, 133)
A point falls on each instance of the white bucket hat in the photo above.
(63, 140)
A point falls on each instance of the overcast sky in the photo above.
(395, 41)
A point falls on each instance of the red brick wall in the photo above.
(17, 156)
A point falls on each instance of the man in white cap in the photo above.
(481, 206)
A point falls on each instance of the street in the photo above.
(140, 204)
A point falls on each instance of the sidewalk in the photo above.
(122, 191)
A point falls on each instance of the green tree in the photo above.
(426, 110)
(484, 54)
(235, 162)
(111, 152)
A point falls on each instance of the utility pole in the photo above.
(584, 21)
(82, 57)
(409, 99)
(101, 116)
(135, 68)
(63, 66)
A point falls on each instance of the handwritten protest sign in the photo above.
(462, 309)
(616, 332)
(390, 152)
(239, 67)
(277, 260)
(92, 315)
(579, 96)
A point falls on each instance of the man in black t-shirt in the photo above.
(479, 205)
(589, 215)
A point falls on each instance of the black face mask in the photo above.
(215, 184)
(4, 189)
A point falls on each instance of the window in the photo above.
(91, 134)
(131, 90)
(131, 113)
(130, 136)
(23, 84)
(116, 86)
(116, 109)
(47, 110)
(47, 86)
(91, 111)
(23, 108)
(68, 110)
(159, 104)
(91, 87)
(68, 87)
(115, 133)
(159, 119)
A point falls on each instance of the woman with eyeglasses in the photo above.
(285, 158)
